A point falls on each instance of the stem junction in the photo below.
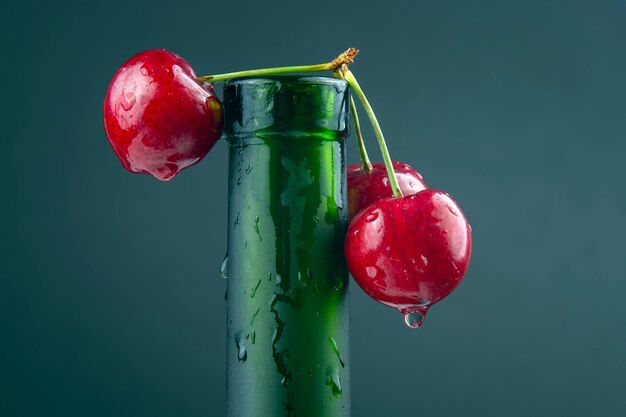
(349, 77)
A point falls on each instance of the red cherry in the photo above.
(367, 187)
(409, 253)
(157, 117)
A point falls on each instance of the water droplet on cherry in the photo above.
(129, 100)
(371, 217)
(372, 271)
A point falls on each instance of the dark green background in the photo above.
(110, 299)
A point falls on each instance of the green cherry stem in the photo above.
(344, 58)
(366, 165)
(349, 77)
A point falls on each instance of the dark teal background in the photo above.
(110, 299)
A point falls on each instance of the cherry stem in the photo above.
(366, 165)
(344, 58)
(349, 77)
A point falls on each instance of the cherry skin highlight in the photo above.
(157, 117)
(367, 187)
(409, 253)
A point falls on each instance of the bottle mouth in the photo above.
(283, 104)
(299, 79)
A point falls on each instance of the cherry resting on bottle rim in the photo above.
(157, 117)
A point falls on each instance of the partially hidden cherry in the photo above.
(157, 117)
(409, 253)
(367, 187)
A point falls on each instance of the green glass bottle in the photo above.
(288, 313)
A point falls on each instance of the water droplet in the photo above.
(238, 180)
(129, 101)
(236, 220)
(371, 217)
(424, 260)
(256, 287)
(452, 210)
(335, 384)
(337, 282)
(253, 338)
(414, 318)
(224, 267)
(371, 271)
(333, 344)
(242, 352)
(305, 277)
(316, 289)
(248, 168)
(144, 71)
(278, 279)
(283, 381)
(256, 227)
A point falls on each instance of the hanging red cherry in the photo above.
(158, 118)
(368, 186)
(409, 253)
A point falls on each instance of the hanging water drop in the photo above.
(224, 267)
(414, 318)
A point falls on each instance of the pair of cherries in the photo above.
(407, 253)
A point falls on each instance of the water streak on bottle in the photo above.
(256, 313)
(255, 289)
(335, 348)
(256, 228)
